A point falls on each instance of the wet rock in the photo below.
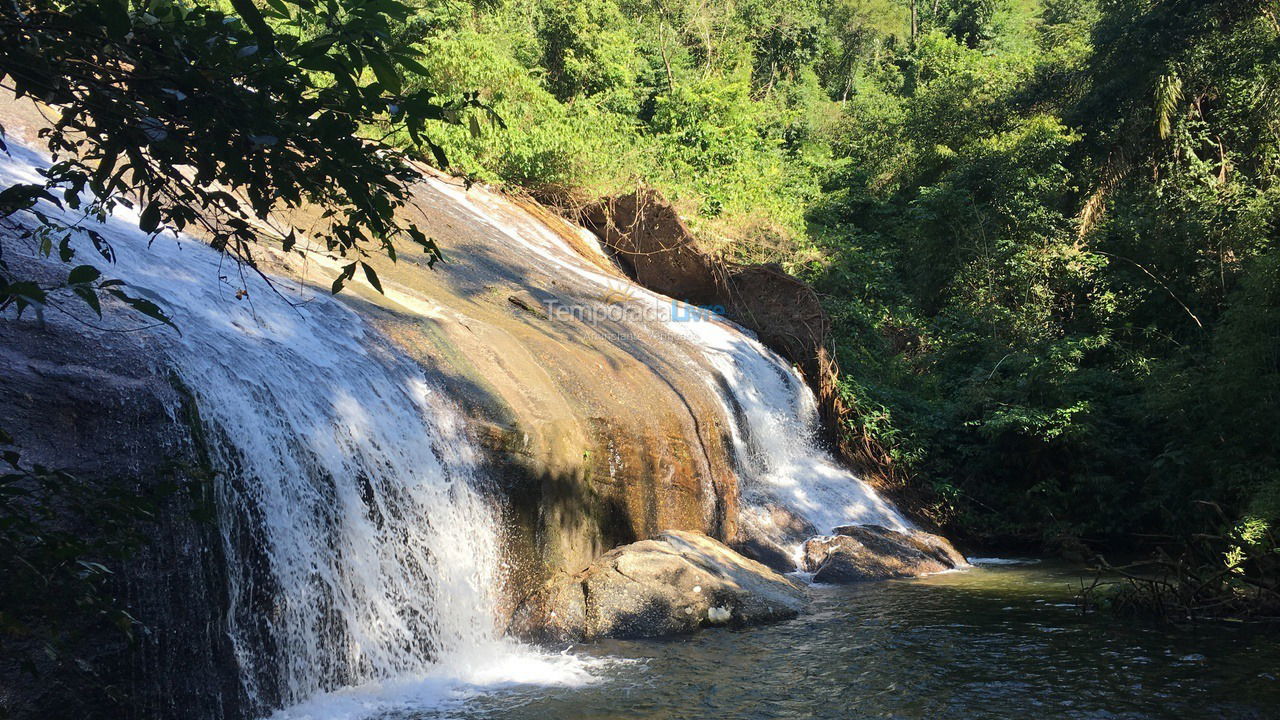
(871, 552)
(766, 552)
(675, 583)
(935, 546)
(764, 535)
(92, 403)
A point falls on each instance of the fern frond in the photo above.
(1168, 99)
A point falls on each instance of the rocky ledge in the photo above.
(675, 583)
(871, 552)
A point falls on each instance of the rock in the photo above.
(935, 546)
(676, 583)
(92, 403)
(766, 552)
(644, 234)
(871, 552)
(764, 532)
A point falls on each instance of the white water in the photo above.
(781, 459)
(361, 550)
(778, 442)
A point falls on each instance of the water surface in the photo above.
(998, 641)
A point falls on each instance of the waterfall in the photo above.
(360, 545)
(779, 452)
(777, 440)
(361, 540)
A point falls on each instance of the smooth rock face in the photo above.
(91, 403)
(871, 552)
(935, 546)
(676, 583)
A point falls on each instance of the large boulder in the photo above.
(871, 552)
(674, 583)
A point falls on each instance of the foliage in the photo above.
(216, 122)
(1045, 229)
(1054, 267)
(1232, 574)
(720, 106)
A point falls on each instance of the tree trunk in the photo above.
(915, 21)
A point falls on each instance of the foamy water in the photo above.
(362, 551)
(362, 546)
(503, 666)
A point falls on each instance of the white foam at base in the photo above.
(506, 665)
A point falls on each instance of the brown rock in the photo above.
(672, 584)
(871, 552)
(645, 235)
(763, 535)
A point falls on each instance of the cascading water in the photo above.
(361, 548)
(779, 449)
(780, 455)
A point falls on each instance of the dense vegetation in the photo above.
(1047, 230)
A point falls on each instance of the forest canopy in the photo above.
(1046, 230)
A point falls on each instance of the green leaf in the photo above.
(103, 173)
(442, 160)
(347, 272)
(90, 296)
(23, 196)
(279, 7)
(25, 290)
(144, 306)
(149, 221)
(372, 277)
(409, 63)
(81, 274)
(385, 72)
(254, 21)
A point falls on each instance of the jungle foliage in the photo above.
(1046, 229)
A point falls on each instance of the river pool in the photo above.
(996, 641)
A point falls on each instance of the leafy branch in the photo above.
(211, 123)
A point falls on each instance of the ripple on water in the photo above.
(997, 642)
(974, 644)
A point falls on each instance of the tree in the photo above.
(216, 122)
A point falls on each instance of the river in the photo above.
(996, 641)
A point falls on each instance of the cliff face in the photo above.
(602, 427)
(95, 405)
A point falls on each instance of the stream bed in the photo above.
(1001, 640)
